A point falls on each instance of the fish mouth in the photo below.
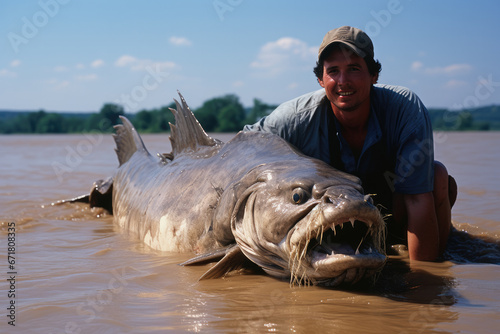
(341, 252)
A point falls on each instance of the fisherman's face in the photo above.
(346, 80)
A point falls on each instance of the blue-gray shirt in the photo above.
(398, 153)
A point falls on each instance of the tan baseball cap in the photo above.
(354, 38)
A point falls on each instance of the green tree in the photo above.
(74, 124)
(230, 118)
(34, 118)
(155, 120)
(96, 122)
(259, 110)
(50, 123)
(20, 124)
(209, 114)
(143, 120)
(112, 112)
(465, 121)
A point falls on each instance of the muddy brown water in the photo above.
(75, 272)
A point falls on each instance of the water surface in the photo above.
(76, 272)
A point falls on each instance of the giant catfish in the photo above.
(253, 198)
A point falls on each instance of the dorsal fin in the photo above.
(187, 133)
(127, 141)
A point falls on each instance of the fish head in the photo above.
(309, 222)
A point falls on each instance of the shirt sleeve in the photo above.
(277, 122)
(414, 168)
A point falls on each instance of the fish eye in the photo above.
(299, 196)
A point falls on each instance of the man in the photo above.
(380, 133)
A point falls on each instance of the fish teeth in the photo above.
(357, 249)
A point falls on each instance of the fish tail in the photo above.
(127, 141)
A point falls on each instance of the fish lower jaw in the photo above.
(336, 269)
(342, 252)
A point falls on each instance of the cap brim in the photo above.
(354, 48)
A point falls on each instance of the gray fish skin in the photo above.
(257, 191)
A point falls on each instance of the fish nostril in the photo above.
(368, 198)
(329, 200)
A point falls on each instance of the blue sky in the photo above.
(76, 55)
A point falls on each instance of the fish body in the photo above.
(253, 198)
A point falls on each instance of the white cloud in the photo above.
(125, 60)
(97, 63)
(58, 84)
(86, 77)
(80, 66)
(238, 83)
(136, 64)
(7, 73)
(62, 85)
(455, 84)
(452, 69)
(283, 54)
(416, 65)
(180, 41)
(15, 63)
(60, 68)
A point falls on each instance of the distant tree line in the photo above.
(49, 122)
(446, 120)
(219, 114)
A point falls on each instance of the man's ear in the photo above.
(374, 79)
(321, 83)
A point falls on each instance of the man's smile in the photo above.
(345, 93)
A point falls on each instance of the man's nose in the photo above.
(343, 77)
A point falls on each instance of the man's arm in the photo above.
(423, 229)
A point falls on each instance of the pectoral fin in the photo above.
(231, 258)
(205, 258)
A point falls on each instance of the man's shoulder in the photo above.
(305, 102)
(292, 115)
(397, 104)
(400, 111)
(394, 93)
